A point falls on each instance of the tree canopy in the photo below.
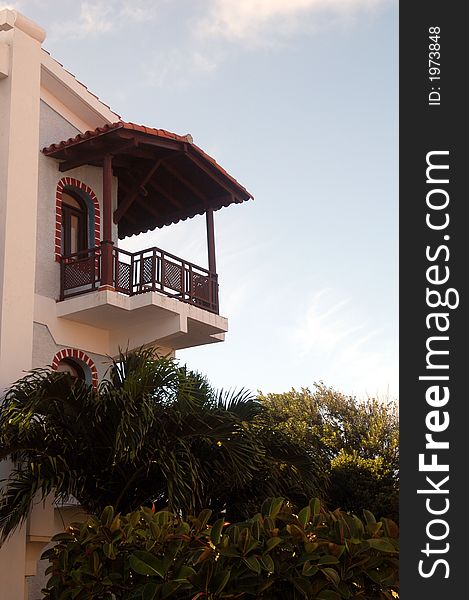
(152, 433)
(156, 433)
(359, 440)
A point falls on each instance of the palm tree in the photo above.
(153, 432)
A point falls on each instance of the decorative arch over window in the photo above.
(71, 359)
(83, 192)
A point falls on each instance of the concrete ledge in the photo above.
(10, 19)
(104, 321)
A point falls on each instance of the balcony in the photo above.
(150, 270)
(151, 178)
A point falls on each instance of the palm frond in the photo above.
(26, 482)
(241, 403)
(153, 431)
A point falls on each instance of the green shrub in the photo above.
(356, 482)
(276, 555)
(358, 440)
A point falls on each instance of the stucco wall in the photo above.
(45, 348)
(19, 135)
(53, 129)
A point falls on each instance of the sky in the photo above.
(298, 100)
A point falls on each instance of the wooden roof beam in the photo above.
(130, 197)
(174, 201)
(189, 185)
(95, 155)
(127, 188)
(148, 140)
(149, 207)
(201, 164)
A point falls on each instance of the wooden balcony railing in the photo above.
(80, 272)
(151, 270)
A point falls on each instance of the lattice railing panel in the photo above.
(123, 276)
(172, 276)
(140, 272)
(147, 270)
(79, 272)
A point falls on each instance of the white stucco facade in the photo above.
(41, 104)
(19, 141)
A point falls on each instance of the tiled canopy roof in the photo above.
(163, 177)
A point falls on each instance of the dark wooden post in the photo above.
(107, 243)
(212, 266)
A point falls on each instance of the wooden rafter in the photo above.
(94, 156)
(161, 143)
(149, 207)
(127, 188)
(190, 182)
(175, 173)
(130, 197)
(170, 197)
(211, 173)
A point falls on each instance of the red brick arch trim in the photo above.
(74, 183)
(78, 355)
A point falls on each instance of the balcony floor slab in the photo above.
(141, 320)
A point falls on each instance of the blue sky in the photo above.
(298, 100)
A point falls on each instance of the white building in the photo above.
(74, 180)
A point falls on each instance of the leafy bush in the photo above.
(153, 432)
(276, 555)
(359, 441)
(356, 482)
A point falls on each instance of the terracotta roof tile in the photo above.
(162, 133)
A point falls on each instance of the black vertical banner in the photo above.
(434, 269)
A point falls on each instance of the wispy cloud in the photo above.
(260, 21)
(331, 332)
(95, 18)
(323, 325)
(103, 17)
(225, 26)
(176, 67)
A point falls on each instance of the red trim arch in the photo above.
(71, 181)
(73, 353)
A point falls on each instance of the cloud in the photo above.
(334, 335)
(175, 68)
(260, 20)
(95, 18)
(324, 325)
(221, 27)
(268, 23)
(103, 17)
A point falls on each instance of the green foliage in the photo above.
(359, 441)
(276, 555)
(153, 433)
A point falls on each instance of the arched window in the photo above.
(74, 224)
(82, 196)
(77, 363)
(67, 365)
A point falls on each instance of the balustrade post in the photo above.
(62, 279)
(163, 271)
(153, 270)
